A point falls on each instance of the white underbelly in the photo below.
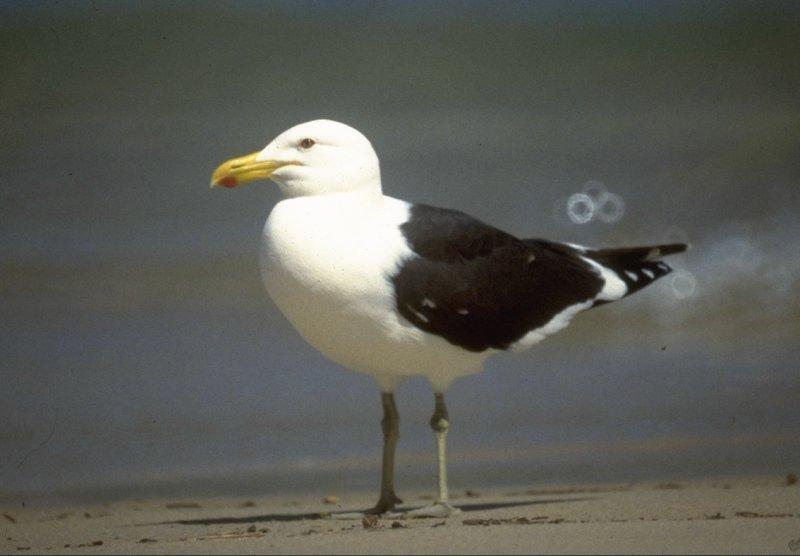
(332, 281)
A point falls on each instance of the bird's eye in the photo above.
(307, 143)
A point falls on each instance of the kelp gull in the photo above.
(395, 289)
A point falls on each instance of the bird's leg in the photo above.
(391, 432)
(440, 423)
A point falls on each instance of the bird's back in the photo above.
(482, 288)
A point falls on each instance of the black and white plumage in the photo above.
(481, 288)
(395, 289)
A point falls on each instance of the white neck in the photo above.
(350, 198)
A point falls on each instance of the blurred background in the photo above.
(140, 355)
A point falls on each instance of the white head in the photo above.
(314, 158)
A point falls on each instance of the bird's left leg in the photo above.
(440, 423)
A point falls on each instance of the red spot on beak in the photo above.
(227, 181)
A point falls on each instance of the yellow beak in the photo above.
(244, 169)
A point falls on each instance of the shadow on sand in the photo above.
(321, 515)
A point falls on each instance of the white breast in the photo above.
(327, 263)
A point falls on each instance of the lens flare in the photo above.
(612, 209)
(684, 284)
(596, 190)
(580, 208)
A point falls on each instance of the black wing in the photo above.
(479, 287)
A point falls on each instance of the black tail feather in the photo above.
(611, 257)
(638, 267)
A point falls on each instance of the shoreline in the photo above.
(630, 461)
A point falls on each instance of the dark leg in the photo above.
(391, 432)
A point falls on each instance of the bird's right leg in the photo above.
(391, 432)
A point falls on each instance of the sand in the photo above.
(733, 515)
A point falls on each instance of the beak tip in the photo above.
(227, 181)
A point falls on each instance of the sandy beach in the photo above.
(728, 515)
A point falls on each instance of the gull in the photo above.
(395, 289)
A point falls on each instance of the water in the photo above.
(138, 348)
